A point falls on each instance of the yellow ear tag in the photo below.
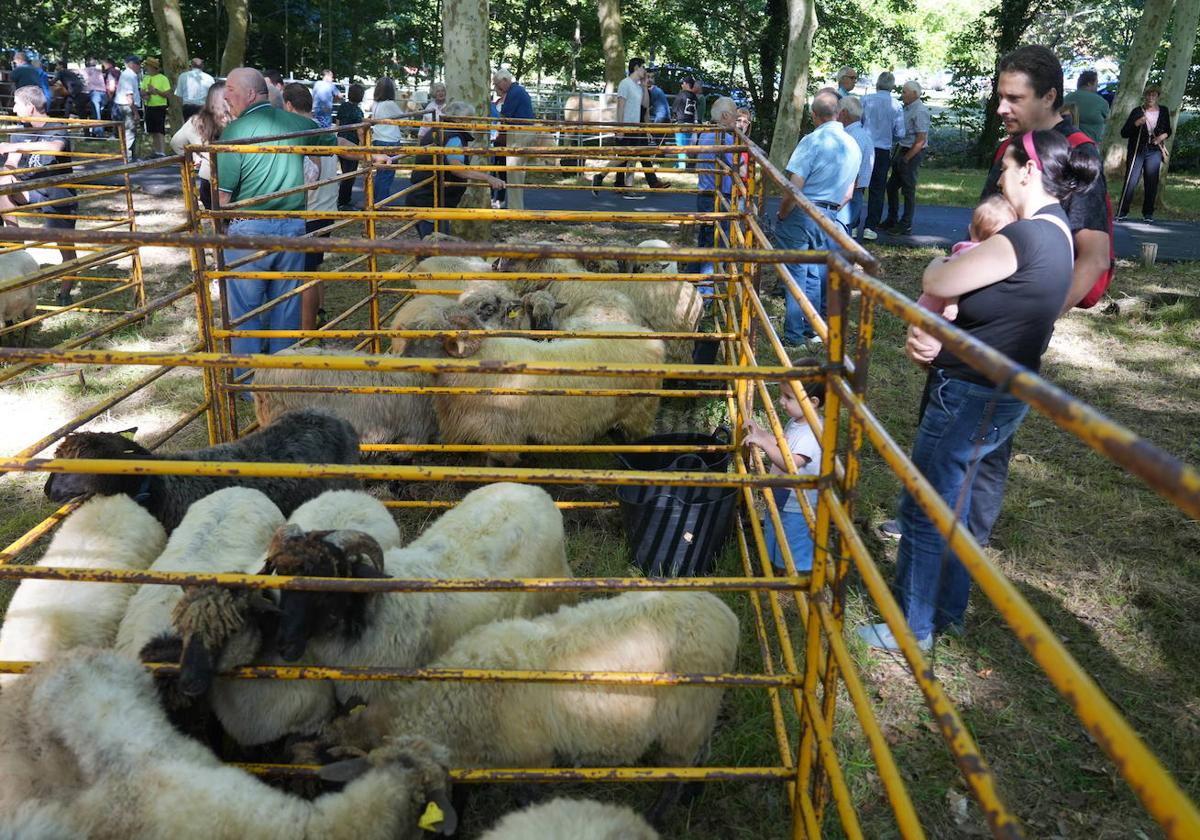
(513, 313)
(432, 818)
(128, 434)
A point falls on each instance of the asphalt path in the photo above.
(934, 225)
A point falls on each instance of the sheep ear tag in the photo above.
(515, 311)
(129, 433)
(439, 821)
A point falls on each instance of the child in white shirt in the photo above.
(806, 452)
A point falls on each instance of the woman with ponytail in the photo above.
(1010, 289)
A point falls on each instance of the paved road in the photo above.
(934, 225)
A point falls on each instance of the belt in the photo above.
(828, 205)
(238, 219)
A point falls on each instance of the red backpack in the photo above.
(1078, 138)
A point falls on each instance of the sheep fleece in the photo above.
(226, 531)
(86, 749)
(47, 617)
(572, 819)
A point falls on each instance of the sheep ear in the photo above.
(460, 347)
(260, 603)
(344, 771)
(449, 816)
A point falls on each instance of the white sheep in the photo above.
(226, 531)
(219, 629)
(513, 724)
(501, 530)
(657, 267)
(48, 617)
(492, 305)
(378, 418)
(20, 304)
(448, 265)
(572, 819)
(86, 750)
(508, 419)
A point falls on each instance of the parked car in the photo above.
(1109, 91)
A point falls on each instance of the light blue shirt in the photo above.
(322, 94)
(707, 181)
(828, 160)
(866, 147)
(883, 117)
(916, 121)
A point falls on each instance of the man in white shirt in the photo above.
(883, 117)
(192, 87)
(128, 99)
(630, 94)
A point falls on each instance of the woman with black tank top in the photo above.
(1010, 290)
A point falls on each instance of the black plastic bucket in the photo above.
(677, 531)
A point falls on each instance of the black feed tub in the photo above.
(677, 531)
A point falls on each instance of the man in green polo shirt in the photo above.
(244, 176)
(1092, 107)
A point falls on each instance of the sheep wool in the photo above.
(378, 418)
(87, 751)
(227, 531)
(572, 819)
(19, 304)
(448, 265)
(353, 510)
(551, 419)
(48, 617)
(545, 725)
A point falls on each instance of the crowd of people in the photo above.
(1040, 239)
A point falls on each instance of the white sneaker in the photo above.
(869, 235)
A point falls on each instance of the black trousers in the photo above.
(1148, 160)
(878, 190)
(625, 179)
(903, 180)
(190, 111)
(346, 188)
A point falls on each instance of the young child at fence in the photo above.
(806, 452)
(990, 217)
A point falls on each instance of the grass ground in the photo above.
(1112, 568)
(1179, 196)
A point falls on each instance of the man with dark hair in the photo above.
(629, 112)
(274, 87)
(1092, 107)
(684, 111)
(350, 113)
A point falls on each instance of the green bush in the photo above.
(1185, 154)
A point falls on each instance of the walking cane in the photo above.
(1129, 171)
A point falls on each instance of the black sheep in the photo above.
(295, 437)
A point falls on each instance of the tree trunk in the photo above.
(234, 55)
(1011, 20)
(614, 48)
(802, 25)
(169, 23)
(1134, 72)
(465, 52)
(1179, 59)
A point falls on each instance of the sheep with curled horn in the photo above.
(501, 530)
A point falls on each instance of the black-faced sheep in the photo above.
(48, 617)
(19, 304)
(513, 724)
(296, 437)
(227, 531)
(509, 419)
(85, 748)
(219, 629)
(572, 819)
(502, 530)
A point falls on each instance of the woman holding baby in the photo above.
(1008, 290)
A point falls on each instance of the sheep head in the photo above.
(460, 346)
(541, 309)
(344, 554)
(206, 619)
(493, 306)
(62, 487)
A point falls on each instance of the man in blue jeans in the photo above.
(241, 176)
(824, 166)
